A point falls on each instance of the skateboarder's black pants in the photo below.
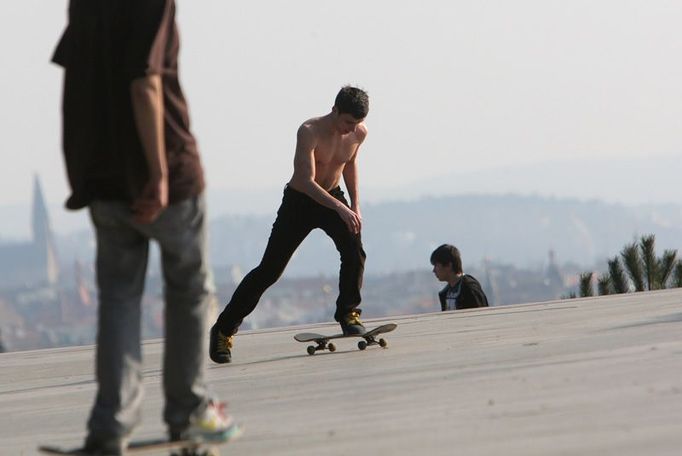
(297, 216)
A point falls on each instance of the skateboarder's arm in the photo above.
(147, 100)
(350, 174)
(350, 177)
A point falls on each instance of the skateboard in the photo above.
(194, 447)
(323, 343)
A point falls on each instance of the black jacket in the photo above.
(471, 294)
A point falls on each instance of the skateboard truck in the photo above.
(321, 345)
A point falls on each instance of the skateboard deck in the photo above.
(323, 342)
(207, 447)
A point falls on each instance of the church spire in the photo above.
(40, 221)
(42, 233)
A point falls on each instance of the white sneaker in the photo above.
(214, 424)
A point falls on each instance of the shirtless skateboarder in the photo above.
(326, 149)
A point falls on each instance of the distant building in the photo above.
(553, 275)
(489, 283)
(35, 262)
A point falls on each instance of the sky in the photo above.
(456, 87)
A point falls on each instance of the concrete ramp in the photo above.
(596, 376)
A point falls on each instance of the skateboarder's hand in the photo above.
(351, 219)
(154, 199)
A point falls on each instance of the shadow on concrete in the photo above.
(266, 361)
(675, 318)
(47, 387)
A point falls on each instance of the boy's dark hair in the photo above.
(447, 254)
(353, 101)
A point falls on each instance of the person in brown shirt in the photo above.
(132, 160)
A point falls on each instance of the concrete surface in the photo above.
(597, 376)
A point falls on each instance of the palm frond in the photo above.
(586, 288)
(677, 275)
(633, 265)
(617, 276)
(648, 246)
(665, 267)
(604, 285)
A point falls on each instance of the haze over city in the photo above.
(482, 97)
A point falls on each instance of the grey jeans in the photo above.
(122, 255)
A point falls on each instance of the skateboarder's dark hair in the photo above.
(447, 254)
(353, 101)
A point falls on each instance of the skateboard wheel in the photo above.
(331, 347)
(383, 343)
(311, 349)
(362, 345)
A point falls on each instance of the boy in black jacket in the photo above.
(462, 290)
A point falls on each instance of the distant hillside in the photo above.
(520, 230)
(399, 236)
(624, 180)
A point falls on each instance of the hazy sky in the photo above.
(455, 86)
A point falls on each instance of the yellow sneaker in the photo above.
(351, 324)
(220, 346)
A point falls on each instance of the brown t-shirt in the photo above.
(105, 46)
